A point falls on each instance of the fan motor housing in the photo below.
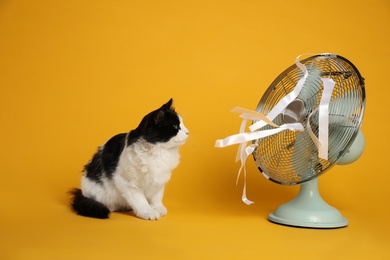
(294, 112)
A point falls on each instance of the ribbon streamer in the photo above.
(323, 123)
(243, 138)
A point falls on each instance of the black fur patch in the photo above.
(111, 152)
(88, 207)
(106, 159)
(158, 126)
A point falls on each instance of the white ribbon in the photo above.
(243, 137)
(323, 119)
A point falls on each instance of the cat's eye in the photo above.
(177, 127)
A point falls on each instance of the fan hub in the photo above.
(294, 112)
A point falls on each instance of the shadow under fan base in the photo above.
(309, 210)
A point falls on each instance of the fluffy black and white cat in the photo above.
(129, 171)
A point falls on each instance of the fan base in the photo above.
(308, 209)
(340, 223)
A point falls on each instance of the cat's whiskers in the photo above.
(194, 143)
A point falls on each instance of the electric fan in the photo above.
(313, 113)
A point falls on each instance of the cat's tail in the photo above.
(88, 207)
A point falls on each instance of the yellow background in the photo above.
(73, 73)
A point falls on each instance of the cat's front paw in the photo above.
(149, 214)
(160, 209)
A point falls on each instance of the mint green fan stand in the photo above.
(308, 209)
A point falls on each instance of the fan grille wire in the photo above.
(291, 158)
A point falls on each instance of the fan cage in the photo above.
(291, 158)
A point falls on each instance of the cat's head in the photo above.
(164, 125)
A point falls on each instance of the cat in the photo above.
(130, 170)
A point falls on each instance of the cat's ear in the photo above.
(168, 105)
(161, 112)
(159, 117)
